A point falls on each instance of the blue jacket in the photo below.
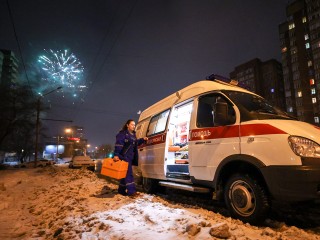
(126, 146)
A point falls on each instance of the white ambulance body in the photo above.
(214, 137)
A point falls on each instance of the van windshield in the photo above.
(254, 107)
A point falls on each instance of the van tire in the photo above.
(246, 199)
(149, 185)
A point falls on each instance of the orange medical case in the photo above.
(114, 169)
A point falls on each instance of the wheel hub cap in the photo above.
(242, 198)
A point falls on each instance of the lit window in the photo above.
(290, 109)
(316, 119)
(284, 49)
(304, 19)
(307, 45)
(306, 37)
(309, 63)
(291, 26)
(311, 81)
(299, 94)
(272, 90)
(313, 91)
(314, 100)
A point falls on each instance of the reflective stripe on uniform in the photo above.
(130, 183)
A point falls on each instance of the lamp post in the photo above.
(57, 152)
(87, 150)
(38, 123)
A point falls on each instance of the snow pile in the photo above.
(60, 203)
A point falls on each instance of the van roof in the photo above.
(190, 91)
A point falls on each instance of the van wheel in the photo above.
(246, 199)
(149, 185)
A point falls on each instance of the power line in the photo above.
(56, 120)
(103, 41)
(112, 46)
(92, 110)
(100, 50)
(108, 53)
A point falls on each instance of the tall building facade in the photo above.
(263, 78)
(8, 68)
(300, 52)
(75, 132)
(76, 136)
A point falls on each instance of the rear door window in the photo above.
(158, 123)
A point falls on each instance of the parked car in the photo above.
(39, 163)
(82, 161)
(10, 162)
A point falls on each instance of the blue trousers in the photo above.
(127, 185)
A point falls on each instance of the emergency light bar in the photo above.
(227, 81)
(216, 77)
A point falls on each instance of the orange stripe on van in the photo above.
(214, 133)
(233, 131)
(222, 132)
(259, 129)
(157, 139)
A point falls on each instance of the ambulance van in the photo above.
(218, 138)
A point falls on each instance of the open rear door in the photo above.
(177, 154)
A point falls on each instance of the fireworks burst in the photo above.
(63, 68)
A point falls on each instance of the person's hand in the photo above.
(145, 138)
(116, 159)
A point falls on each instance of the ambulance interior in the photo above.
(177, 157)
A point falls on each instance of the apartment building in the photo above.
(263, 78)
(300, 53)
(8, 68)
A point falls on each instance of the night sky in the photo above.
(137, 52)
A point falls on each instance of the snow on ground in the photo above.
(60, 203)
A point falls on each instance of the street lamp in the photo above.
(38, 123)
(69, 131)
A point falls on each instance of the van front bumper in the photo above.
(293, 183)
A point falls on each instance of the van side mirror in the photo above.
(221, 116)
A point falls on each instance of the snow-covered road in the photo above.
(60, 203)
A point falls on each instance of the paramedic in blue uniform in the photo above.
(126, 148)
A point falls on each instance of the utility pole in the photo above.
(38, 124)
(37, 133)
(57, 153)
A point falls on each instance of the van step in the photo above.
(186, 187)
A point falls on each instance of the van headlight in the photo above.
(304, 147)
